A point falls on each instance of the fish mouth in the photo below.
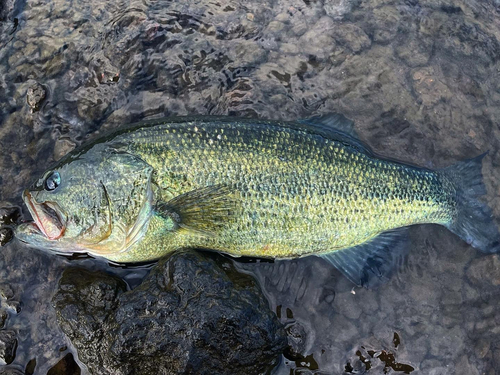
(47, 217)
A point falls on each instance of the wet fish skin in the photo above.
(242, 187)
(297, 193)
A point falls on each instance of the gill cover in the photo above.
(127, 194)
(101, 195)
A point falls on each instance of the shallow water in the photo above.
(419, 78)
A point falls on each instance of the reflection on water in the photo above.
(419, 78)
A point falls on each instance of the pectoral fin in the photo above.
(206, 210)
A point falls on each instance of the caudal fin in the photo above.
(474, 222)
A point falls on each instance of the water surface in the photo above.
(419, 78)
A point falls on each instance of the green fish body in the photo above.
(247, 188)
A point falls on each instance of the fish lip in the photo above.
(33, 228)
(36, 209)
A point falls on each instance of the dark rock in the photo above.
(66, 366)
(8, 346)
(351, 36)
(6, 235)
(190, 315)
(10, 215)
(3, 317)
(35, 96)
(84, 301)
(6, 7)
(377, 357)
(30, 367)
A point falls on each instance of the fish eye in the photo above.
(52, 181)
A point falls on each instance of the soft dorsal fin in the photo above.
(332, 121)
(335, 126)
(372, 262)
(205, 210)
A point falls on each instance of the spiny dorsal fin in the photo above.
(206, 210)
(372, 262)
(335, 126)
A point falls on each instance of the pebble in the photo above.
(62, 147)
(485, 270)
(35, 96)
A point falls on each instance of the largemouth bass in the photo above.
(249, 188)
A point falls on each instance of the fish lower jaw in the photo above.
(46, 216)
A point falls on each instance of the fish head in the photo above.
(98, 201)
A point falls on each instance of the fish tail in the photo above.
(473, 222)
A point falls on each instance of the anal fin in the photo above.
(372, 263)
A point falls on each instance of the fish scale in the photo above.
(300, 193)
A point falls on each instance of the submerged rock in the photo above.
(485, 270)
(8, 346)
(35, 96)
(9, 216)
(66, 366)
(418, 78)
(190, 315)
(3, 317)
(6, 235)
(10, 371)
